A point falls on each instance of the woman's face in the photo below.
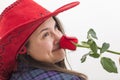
(44, 43)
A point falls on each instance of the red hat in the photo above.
(17, 23)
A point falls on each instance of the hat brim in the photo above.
(57, 11)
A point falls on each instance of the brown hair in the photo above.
(60, 66)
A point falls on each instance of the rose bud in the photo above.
(68, 42)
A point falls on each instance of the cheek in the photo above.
(43, 47)
(41, 50)
(46, 46)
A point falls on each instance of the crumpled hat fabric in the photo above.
(17, 22)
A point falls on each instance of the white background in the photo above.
(101, 15)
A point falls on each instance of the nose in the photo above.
(57, 37)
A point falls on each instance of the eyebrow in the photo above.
(47, 28)
(44, 30)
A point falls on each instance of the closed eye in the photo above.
(46, 34)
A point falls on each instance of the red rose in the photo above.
(68, 42)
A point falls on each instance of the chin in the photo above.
(59, 55)
(59, 60)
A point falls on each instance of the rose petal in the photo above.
(68, 42)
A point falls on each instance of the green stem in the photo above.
(110, 51)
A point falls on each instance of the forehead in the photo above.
(46, 24)
(49, 21)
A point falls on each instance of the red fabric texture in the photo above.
(68, 42)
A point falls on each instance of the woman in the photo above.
(29, 43)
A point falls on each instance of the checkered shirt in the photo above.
(25, 73)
